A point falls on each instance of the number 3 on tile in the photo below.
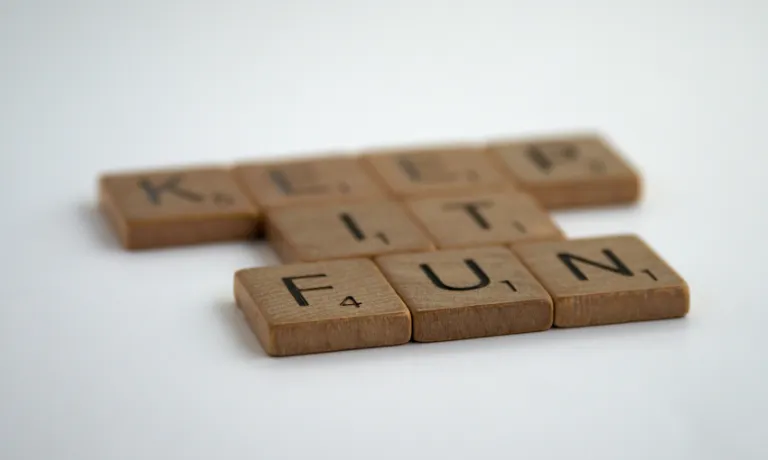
(350, 301)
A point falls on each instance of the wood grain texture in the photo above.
(468, 293)
(176, 207)
(483, 219)
(307, 181)
(320, 307)
(606, 280)
(436, 171)
(307, 234)
(573, 171)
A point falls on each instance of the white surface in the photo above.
(111, 355)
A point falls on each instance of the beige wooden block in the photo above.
(176, 207)
(570, 171)
(308, 181)
(319, 307)
(467, 293)
(606, 280)
(435, 171)
(482, 219)
(341, 231)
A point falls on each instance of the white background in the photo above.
(106, 354)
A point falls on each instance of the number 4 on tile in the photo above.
(350, 301)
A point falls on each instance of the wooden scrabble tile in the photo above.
(606, 280)
(308, 181)
(436, 171)
(461, 294)
(176, 207)
(324, 306)
(482, 219)
(569, 172)
(341, 231)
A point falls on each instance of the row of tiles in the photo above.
(161, 208)
(457, 294)
(336, 231)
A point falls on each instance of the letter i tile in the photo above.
(343, 231)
